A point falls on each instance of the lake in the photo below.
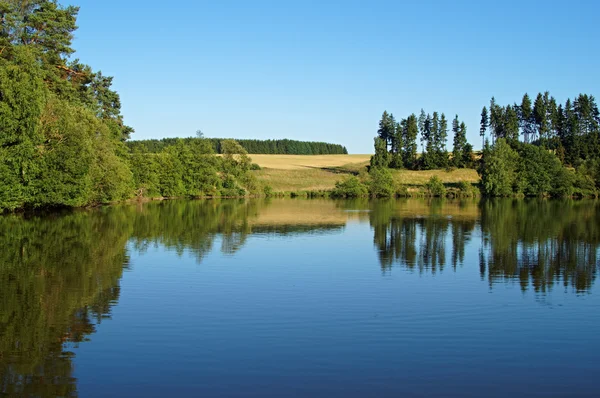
(303, 298)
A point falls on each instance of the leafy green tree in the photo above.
(381, 182)
(499, 169)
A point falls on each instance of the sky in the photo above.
(326, 70)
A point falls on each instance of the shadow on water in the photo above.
(60, 274)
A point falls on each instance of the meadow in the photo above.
(289, 173)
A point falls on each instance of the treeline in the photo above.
(397, 143)
(278, 147)
(62, 136)
(538, 148)
(541, 148)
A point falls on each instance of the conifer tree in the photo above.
(525, 118)
(483, 124)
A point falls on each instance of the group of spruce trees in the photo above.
(396, 144)
(541, 148)
(570, 130)
(279, 147)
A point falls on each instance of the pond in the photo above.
(302, 298)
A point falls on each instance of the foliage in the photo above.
(381, 159)
(61, 130)
(351, 187)
(499, 169)
(436, 187)
(381, 182)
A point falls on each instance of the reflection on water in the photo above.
(539, 242)
(60, 274)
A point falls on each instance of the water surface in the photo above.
(302, 298)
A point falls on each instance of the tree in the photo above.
(525, 118)
(459, 143)
(396, 148)
(499, 169)
(440, 142)
(484, 125)
(410, 130)
(386, 128)
(540, 116)
(381, 159)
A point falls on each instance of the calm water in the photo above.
(303, 298)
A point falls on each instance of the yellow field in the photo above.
(287, 173)
(421, 177)
(302, 162)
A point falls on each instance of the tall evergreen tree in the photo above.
(525, 118)
(484, 123)
(397, 145)
(540, 116)
(440, 142)
(410, 130)
(459, 142)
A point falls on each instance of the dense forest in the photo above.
(537, 148)
(62, 135)
(269, 147)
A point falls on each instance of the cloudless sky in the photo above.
(326, 70)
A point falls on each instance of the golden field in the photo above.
(302, 162)
(288, 173)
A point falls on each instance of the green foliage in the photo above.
(268, 191)
(381, 182)
(436, 187)
(351, 187)
(499, 169)
(61, 130)
(381, 159)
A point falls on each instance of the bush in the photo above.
(268, 191)
(402, 190)
(382, 182)
(436, 187)
(255, 166)
(350, 188)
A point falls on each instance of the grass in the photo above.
(302, 162)
(419, 178)
(294, 173)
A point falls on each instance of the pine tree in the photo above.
(525, 118)
(410, 131)
(483, 125)
(441, 139)
(540, 116)
(459, 142)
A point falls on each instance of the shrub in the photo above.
(255, 166)
(350, 188)
(382, 182)
(436, 187)
(268, 191)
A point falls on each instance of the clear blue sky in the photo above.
(326, 70)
